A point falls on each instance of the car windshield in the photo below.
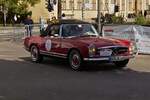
(78, 30)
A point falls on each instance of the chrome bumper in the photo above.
(112, 58)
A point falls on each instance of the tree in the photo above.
(17, 7)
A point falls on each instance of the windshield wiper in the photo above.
(85, 35)
(88, 35)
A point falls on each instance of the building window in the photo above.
(94, 5)
(113, 1)
(140, 6)
(87, 5)
(106, 8)
(147, 5)
(123, 5)
(130, 5)
(86, 1)
(63, 4)
(71, 4)
(79, 4)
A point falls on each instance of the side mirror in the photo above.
(56, 35)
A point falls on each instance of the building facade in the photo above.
(87, 9)
(39, 10)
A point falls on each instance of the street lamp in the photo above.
(99, 17)
(136, 11)
(72, 8)
(59, 9)
(82, 9)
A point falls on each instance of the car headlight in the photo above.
(92, 50)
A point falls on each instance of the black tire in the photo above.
(121, 64)
(75, 60)
(35, 54)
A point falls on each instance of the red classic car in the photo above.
(78, 42)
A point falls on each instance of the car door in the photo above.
(52, 43)
(65, 41)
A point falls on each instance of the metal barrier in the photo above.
(34, 29)
(18, 33)
(139, 35)
(6, 33)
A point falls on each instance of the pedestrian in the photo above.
(28, 25)
(145, 13)
(102, 23)
(63, 16)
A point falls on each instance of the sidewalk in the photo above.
(12, 50)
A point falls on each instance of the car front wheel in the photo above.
(75, 60)
(121, 64)
(35, 54)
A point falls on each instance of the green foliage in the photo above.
(117, 20)
(1, 17)
(140, 20)
(148, 22)
(17, 7)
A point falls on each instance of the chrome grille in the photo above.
(119, 50)
(116, 50)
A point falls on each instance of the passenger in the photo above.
(50, 24)
(54, 20)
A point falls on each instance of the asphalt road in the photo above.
(20, 79)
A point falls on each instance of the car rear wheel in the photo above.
(35, 54)
(121, 64)
(75, 60)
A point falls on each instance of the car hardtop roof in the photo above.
(72, 21)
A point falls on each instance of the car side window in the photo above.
(47, 30)
(54, 30)
(65, 31)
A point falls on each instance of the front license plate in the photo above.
(118, 58)
(105, 52)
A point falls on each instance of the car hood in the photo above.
(98, 41)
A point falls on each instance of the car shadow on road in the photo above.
(63, 64)
(50, 62)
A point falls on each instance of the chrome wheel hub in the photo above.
(75, 62)
(34, 54)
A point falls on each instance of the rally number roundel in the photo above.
(48, 45)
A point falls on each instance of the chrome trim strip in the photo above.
(107, 58)
(107, 47)
(121, 58)
(53, 54)
(95, 59)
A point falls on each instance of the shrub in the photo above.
(117, 20)
(148, 22)
(140, 20)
